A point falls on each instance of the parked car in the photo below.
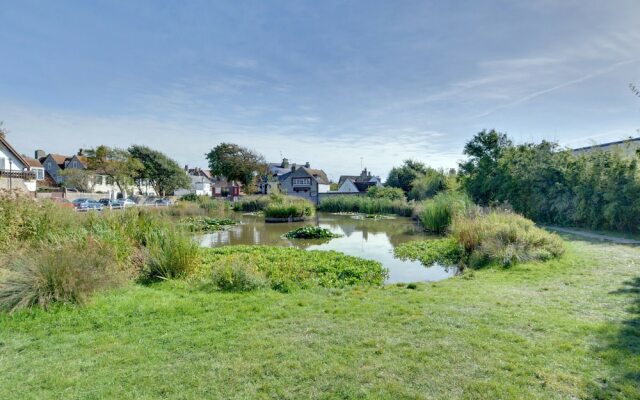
(87, 205)
(126, 202)
(108, 203)
(162, 202)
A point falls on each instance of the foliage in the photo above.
(385, 192)
(366, 205)
(403, 176)
(597, 189)
(437, 213)
(189, 197)
(68, 273)
(78, 179)
(285, 269)
(172, 254)
(163, 173)
(118, 164)
(236, 274)
(478, 172)
(236, 163)
(428, 184)
(252, 203)
(504, 238)
(310, 232)
(444, 251)
(290, 208)
(206, 224)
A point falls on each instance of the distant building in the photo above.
(305, 182)
(201, 183)
(629, 147)
(16, 173)
(275, 174)
(358, 183)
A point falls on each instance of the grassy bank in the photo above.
(567, 328)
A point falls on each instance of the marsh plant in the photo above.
(310, 232)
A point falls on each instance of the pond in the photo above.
(372, 239)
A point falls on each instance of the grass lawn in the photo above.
(565, 329)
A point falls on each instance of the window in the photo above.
(39, 173)
(301, 181)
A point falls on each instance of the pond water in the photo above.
(361, 237)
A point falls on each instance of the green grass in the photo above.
(366, 205)
(563, 329)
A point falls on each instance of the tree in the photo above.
(163, 173)
(79, 179)
(236, 163)
(428, 184)
(478, 173)
(388, 192)
(403, 177)
(119, 164)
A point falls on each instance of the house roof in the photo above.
(58, 158)
(364, 186)
(318, 174)
(597, 146)
(32, 162)
(5, 142)
(345, 177)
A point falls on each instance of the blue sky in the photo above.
(329, 82)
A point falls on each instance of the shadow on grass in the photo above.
(622, 350)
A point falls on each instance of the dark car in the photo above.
(108, 203)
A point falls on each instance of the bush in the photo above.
(391, 193)
(445, 251)
(366, 205)
(172, 254)
(67, 274)
(310, 232)
(286, 269)
(437, 213)
(504, 238)
(189, 197)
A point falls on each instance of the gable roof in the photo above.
(5, 142)
(57, 158)
(32, 162)
(318, 174)
(599, 146)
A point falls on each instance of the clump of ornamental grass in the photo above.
(290, 208)
(172, 253)
(310, 232)
(66, 274)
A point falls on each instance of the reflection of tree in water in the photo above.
(397, 230)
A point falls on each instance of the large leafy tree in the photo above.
(479, 173)
(119, 164)
(163, 173)
(404, 176)
(236, 163)
(78, 179)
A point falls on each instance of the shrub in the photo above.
(189, 197)
(366, 205)
(66, 274)
(504, 238)
(445, 251)
(391, 193)
(437, 213)
(172, 254)
(286, 269)
(310, 232)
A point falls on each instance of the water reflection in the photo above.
(366, 238)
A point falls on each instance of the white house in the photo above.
(15, 171)
(201, 183)
(358, 184)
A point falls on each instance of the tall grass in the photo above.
(297, 208)
(172, 254)
(504, 238)
(366, 205)
(252, 203)
(62, 274)
(437, 213)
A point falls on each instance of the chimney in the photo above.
(186, 167)
(293, 167)
(80, 152)
(285, 163)
(40, 154)
(307, 165)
